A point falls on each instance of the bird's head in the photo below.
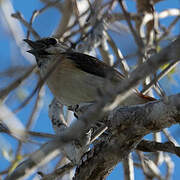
(45, 49)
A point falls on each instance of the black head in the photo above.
(42, 48)
(39, 47)
(45, 48)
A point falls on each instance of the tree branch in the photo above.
(129, 125)
(152, 146)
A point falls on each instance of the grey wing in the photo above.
(94, 66)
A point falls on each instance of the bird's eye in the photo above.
(52, 41)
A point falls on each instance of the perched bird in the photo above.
(77, 76)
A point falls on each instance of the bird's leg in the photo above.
(74, 108)
(79, 109)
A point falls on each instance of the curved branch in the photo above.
(129, 125)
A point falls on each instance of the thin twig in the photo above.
(170, 137)
(36, 109)
(38, 86)
(58, 173)
(4, 92)
(168, 30)
(159, 76)
(120, 59)
(37, 13)
(26, 24)
(128, 167)
(139, 42)
(41, 134)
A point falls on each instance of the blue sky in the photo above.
(45, 24)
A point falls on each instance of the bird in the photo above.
(76, 77)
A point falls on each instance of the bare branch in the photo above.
(159, 76)
(59, 172)
(4, 92)
(25, 23)
(152, 146)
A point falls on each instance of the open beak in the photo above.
(32, 51)
(33, 45)
(30, 43)
(38, 48)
